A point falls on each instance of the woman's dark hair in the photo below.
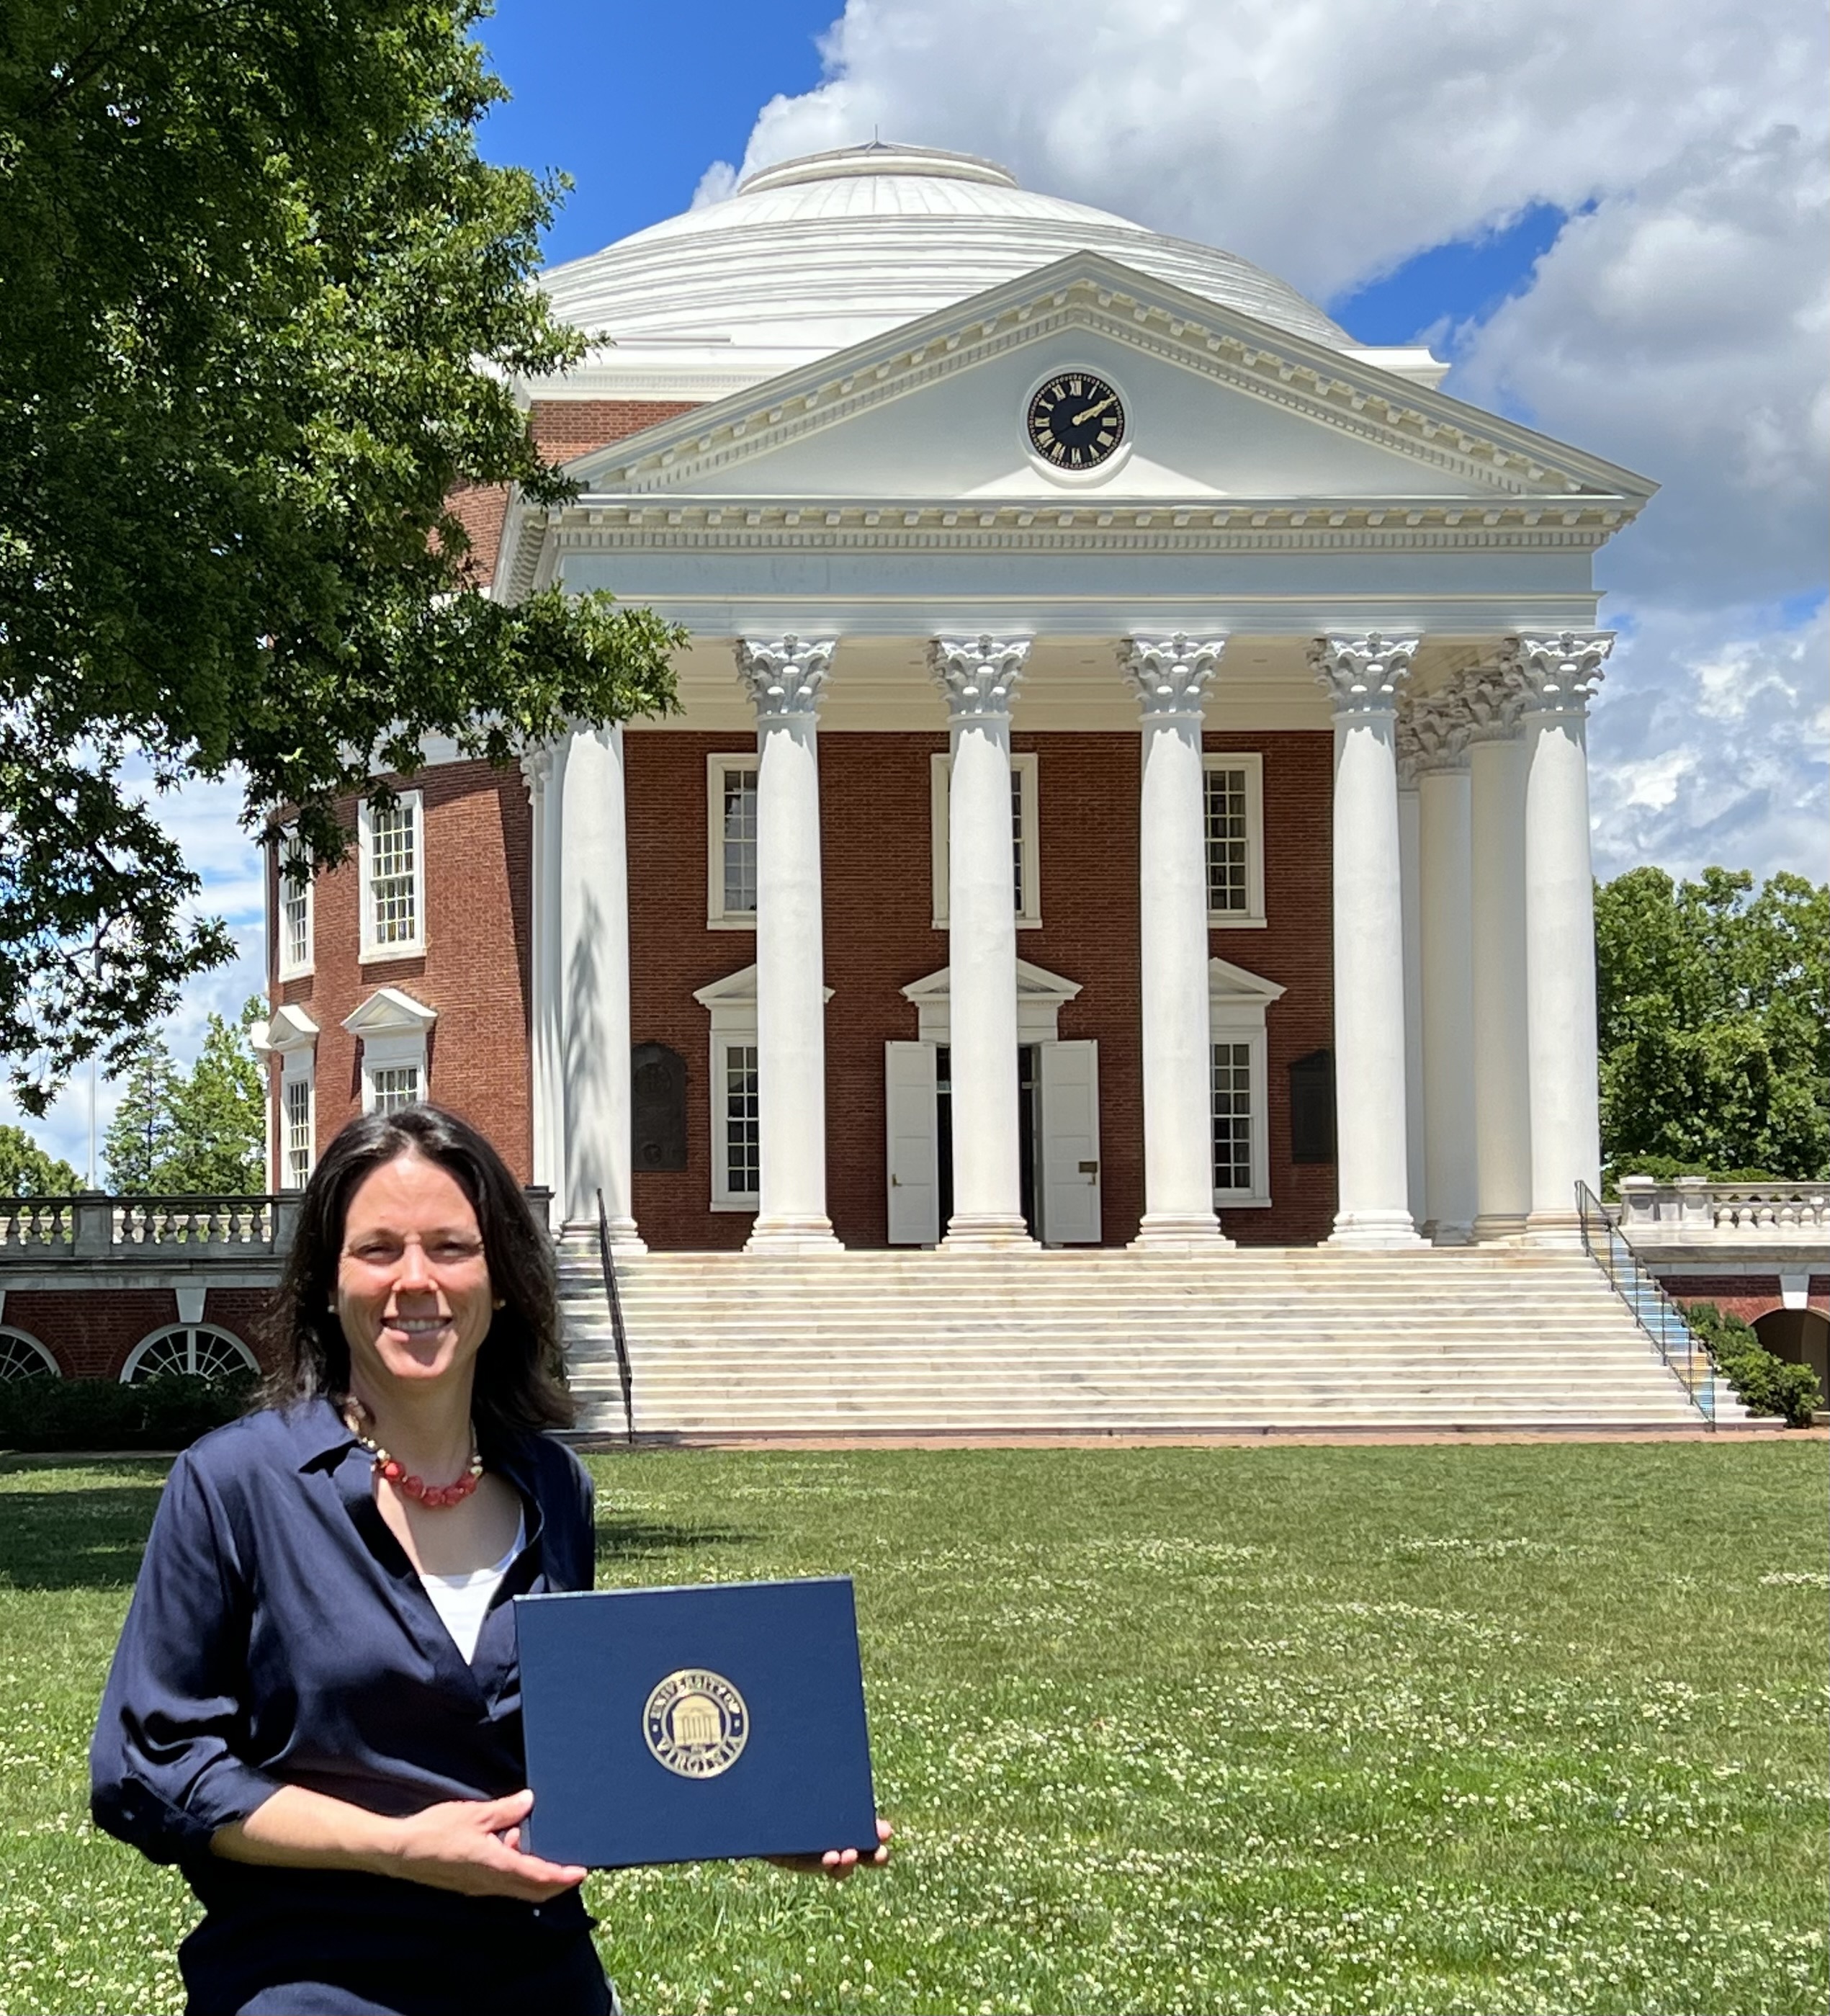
(520, 1385)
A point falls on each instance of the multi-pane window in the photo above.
(1227, 840)
(297, 1159)
(730, 788)
(739, 823)
(394, 1086)
(393, 874)
(1232, 831)
(1016, 834)
(1232, 1116)
(295, 910)
(743, 1133)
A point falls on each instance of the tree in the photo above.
(219, 1116)
(139, 1136)
(196, 1133)
(1714, 1007)
(260, 309)
(27, 1171)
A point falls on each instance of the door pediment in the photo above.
(1039, 997)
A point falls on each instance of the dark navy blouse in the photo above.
(279, 1634)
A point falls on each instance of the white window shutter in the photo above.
(1070, 1144)
(915, 1184)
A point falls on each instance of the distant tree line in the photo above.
(1714, 1007)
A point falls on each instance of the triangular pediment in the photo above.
(389, 1012)
(736, 990)
(1034, 983)
(286, 1028)
(1228, 982)
(1219, 405)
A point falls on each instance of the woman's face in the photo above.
(412, 1281)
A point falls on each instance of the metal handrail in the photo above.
(1644, 1295)
(619, 1336)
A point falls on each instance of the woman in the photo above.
(315, 1709)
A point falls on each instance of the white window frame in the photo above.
(374, 952)
(1025, 770)
(1252, 763)
(285, 965)
(1236, 1004)
(189, 1332)
(717, 767)
(395, 1029)
(733, 1003)
(373, 1068)
(298, 1070)
(290, 1034)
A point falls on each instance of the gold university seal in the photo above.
(695, 1723)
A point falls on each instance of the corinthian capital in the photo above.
(1433, 732)
(1362, 674)
(784, 676)
(979, 675)
(1493, 695)
(1170, 675)
(1558, 674)
(536, 766)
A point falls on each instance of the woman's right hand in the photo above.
(474, 1846)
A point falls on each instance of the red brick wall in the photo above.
(1748, 1296)
(91, 1332)
(474, 970)
(880, 937)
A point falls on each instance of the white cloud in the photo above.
(1710, 743)
(1327, 139)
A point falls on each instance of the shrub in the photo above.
(1762, 1382)
(168, 1411)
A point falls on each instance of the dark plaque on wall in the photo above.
(658, 1106)
(1312, 1107)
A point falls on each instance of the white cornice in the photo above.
(1001, 525)
(1087, 291)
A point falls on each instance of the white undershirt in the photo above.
(461, 1600)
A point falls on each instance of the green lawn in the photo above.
(1473, 1729)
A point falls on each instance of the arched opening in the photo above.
(200, 1349)
(24, 1357)
(1802, 1337)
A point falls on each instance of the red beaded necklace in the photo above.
(435, 1495)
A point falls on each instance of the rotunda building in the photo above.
(1129, 786)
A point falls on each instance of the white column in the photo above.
(1440, 726)
(1410, 825)
(1560, 673)
(979, 677)
(545, 770)
(785, 677)
(593, 984)
(1362, 676)
(1502, 1086)
(1170, 676)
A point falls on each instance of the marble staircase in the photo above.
(883, 1345)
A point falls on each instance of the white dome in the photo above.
(814, 255)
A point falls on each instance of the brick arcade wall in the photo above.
(92, 1332)
(474, 970)
(1748, 1296)
(874, 810)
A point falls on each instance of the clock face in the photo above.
(1076, 421)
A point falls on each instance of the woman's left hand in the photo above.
(840, 1863)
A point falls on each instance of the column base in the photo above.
(626, 1242)
(1372, 1230)
(1441, 1234)
(790, 1234)
(1554, 1227)
(986, 1232)
(1493, 1228)
(1180, 1232)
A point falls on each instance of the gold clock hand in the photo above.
(1080, 419)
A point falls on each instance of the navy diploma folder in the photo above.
(683, 1725)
